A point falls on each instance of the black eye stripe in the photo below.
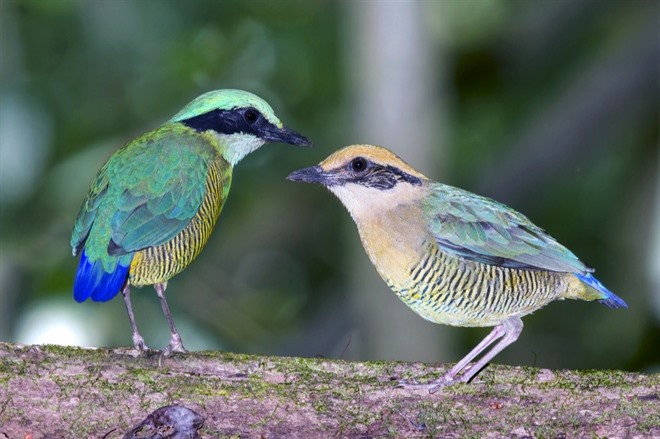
(239, 120)
(377, 176)
(404, 176)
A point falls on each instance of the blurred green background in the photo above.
(548, 106)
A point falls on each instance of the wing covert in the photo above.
(483, 230)
(163, 184)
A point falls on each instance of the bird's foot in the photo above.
(139, 344)
(171, 349)
(175, 345)
(431, 386)
(408, 384)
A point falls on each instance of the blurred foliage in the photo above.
(80, 78)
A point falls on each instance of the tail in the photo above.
(93, 281)
(608, 298)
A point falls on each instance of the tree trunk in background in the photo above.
(394, 71)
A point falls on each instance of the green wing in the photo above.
(152, 188)
(88, 210)
(483, 230)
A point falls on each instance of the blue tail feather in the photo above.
(610, 299)
(92, 281)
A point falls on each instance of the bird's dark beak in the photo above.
(285, 135)
(313, 174)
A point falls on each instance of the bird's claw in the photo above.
(431, 386)
(139, 344)
(406, 384)
(175, 345)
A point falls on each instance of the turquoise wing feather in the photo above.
(483, 230)
(88, 211)
(159, 189)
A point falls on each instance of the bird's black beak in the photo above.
(313, 174)
(285, 135)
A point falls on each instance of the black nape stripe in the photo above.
(386, 177)
(403, 176)
(223, 121)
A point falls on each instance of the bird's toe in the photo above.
(431, 386)
(403, 384)
(174, 346)
(415, 385)
(139, 344)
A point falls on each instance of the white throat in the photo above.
(238, 145)
(364, 203)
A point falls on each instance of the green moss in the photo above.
(348, 395)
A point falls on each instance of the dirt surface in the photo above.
(57, 392)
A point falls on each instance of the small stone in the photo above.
(520, 432)
(169, 422)
(545, 375)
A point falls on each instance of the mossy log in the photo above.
(64, 392)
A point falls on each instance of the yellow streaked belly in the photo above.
(453, 291)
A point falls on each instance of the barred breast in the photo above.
(448, 289)
(158, 264)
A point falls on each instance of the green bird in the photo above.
(153, 205)
(453, 257)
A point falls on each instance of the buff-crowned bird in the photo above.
(454, 257)
(155, 202)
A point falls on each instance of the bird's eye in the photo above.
(359, 164)
(251, 116)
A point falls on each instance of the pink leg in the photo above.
(512, 328)
(508, 331)
(138, 341)
(176, 344)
